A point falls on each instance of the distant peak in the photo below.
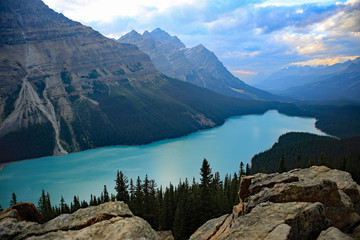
(158, 30)
(200, 46)
(133, 32)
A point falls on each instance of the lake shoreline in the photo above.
(3, 165)
(84, 173)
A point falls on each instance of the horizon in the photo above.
(249, 37)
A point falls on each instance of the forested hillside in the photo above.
(299, 150)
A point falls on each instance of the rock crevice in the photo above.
(112, 220)
(313, 203)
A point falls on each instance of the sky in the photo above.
(251, 37)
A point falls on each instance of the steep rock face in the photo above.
(196, 65)
(64, 87)
(300, 204)
(112, 220)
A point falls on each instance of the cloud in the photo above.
(106, 11)
(256, 35)
(326, 61)
(244, 72)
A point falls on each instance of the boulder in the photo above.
(112, 220)
(165, 235)
(300, 204)
(333, 233)
(23, 211)
(283, 220)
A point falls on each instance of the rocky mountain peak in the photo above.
(164, 37)
(196, 65)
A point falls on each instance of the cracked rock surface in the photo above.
(312, 203)
(112, 220)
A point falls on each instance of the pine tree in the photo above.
(311, 161)
(282, 166)
(169, 208)
(132, 190)
(248, 170)
(180, 224)
(241, 172)
(113, 197)
(137, 202)
(44, 206)
(75, 205)
(323, 161)
(13, 200)
(106, 195)
(84, 204)
(62, 204)
(206, 210)
(1, 208)
(121, 187)
(64, 208)
(299, 161)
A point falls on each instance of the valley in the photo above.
(79, 106)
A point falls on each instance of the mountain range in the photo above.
(64, 87)
(338, 81)
(196, 65)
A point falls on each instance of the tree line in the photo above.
(182, 208)
(301, 150)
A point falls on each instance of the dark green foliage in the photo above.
(13, 199)
(64, 208)
(119, 72)
(75, 205)
(311, 161)
(106, 195)
(40, 87)
(179, 209)
(44, 206)
(93, 74)
(341, 154)
(69, 89)
(33, 142)
(282, 167)
(66, 77)
(340, 121)
(323, 160)
(242, 172)
(1, 208)
(205, 191)
(248, 170)
(65, 135)
(9, 103)
(121, 187)
(151, 112)
(299, 161)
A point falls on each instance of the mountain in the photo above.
(339, 85)
(195, 65)
(341, 80)
(65, 87)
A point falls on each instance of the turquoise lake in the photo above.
(85, 173)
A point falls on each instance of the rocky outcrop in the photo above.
(112, 220)
(313, 203)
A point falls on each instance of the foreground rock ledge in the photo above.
(314, 203)
(112, 220)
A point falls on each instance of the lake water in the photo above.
(83, 173)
